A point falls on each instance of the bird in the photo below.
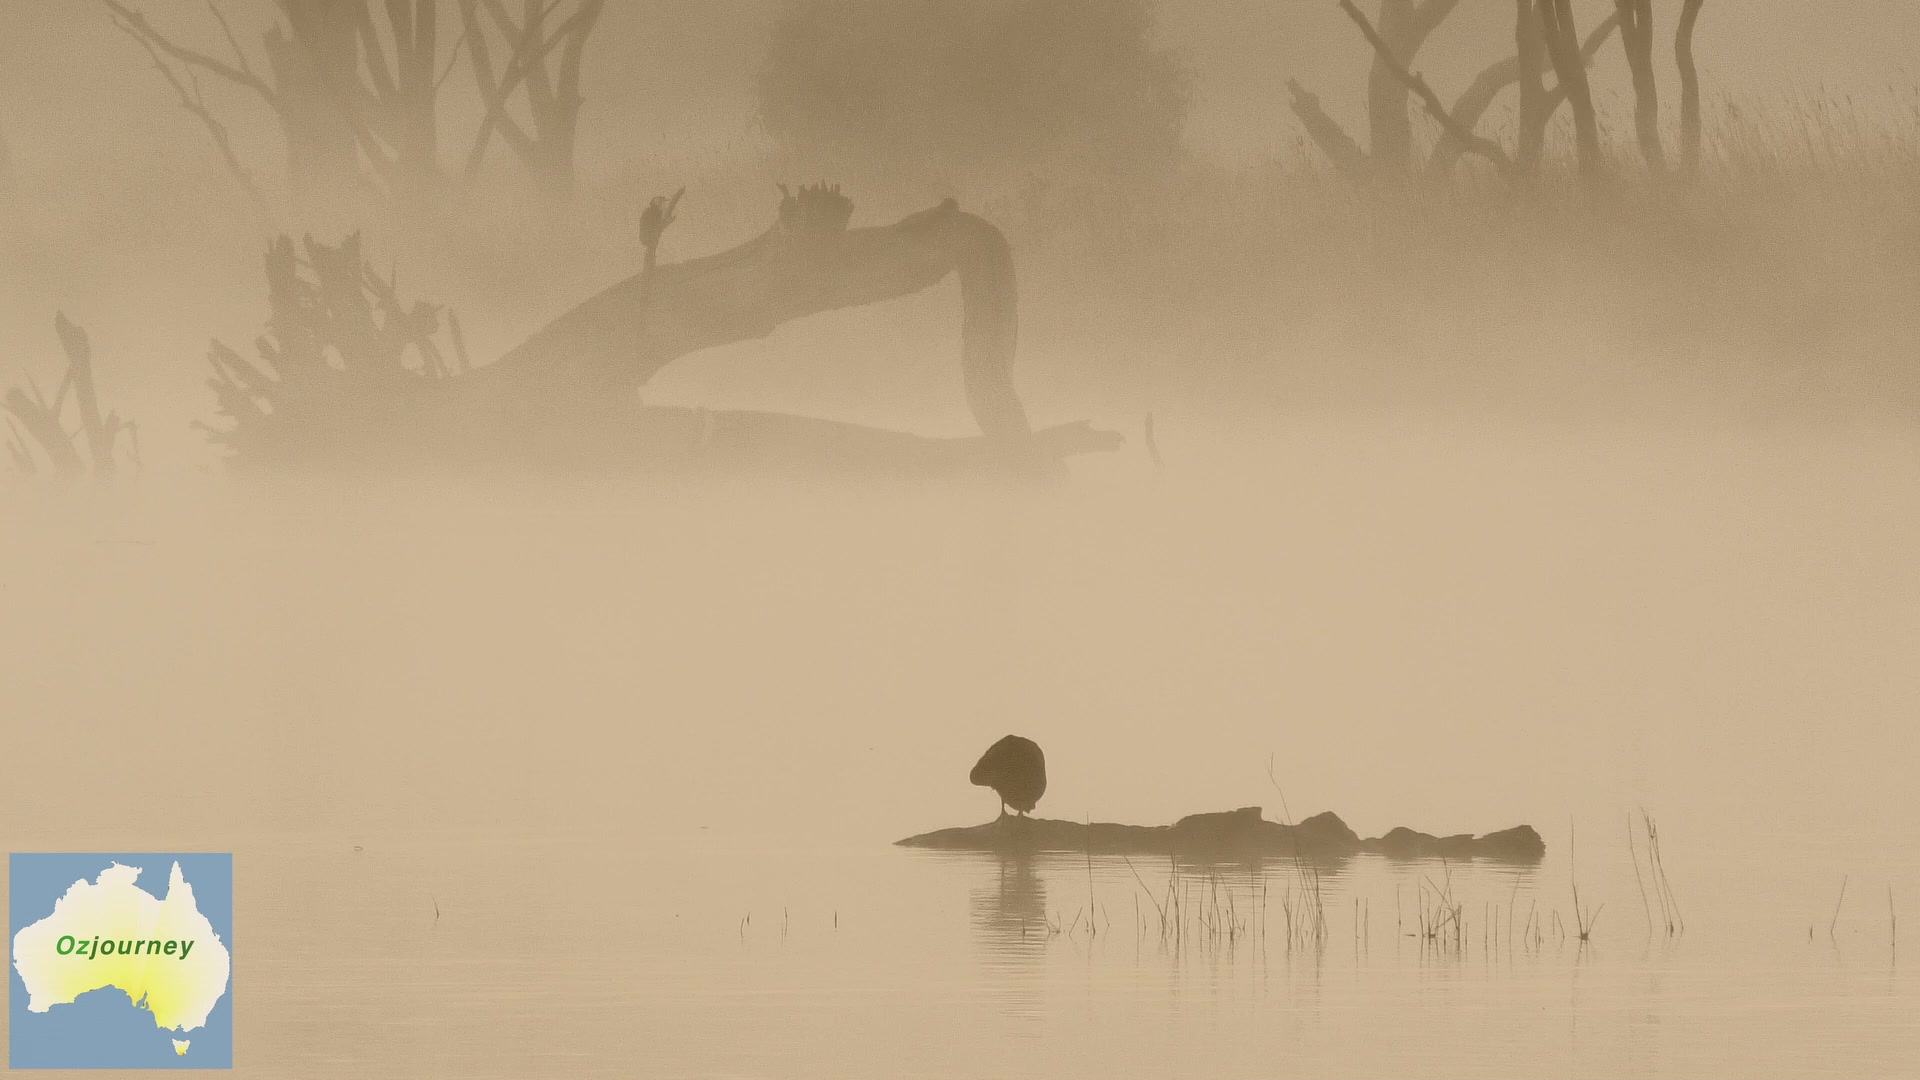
(653, 224)
(1015, 769)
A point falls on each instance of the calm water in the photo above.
(700, 957)
(645, 752)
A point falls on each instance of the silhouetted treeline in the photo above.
(1548, 39)
(356, 93)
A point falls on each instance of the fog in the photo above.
(678, 554)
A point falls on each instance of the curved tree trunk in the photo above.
(1529, 63)
(553, 97)
(1405, 26)
(1473, 103)
(1563, 48)
(1636, 34)
(6, 170)
(1689, 88)
(323, 152)
(1327, 134)
(1389, 131)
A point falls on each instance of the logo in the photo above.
(120, 961)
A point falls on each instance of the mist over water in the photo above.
(621, 734)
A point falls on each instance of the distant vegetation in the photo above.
(965, 88)
(1508, 237)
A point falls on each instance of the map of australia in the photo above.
(152, 944)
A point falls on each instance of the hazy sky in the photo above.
(680, 71)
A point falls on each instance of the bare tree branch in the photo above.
(80, 369)
(1556, 22)
(548, 150)
(375, 51)
(45, 428)
(1327, 134)
(138, 25)
(576, 46)
(1484, 147)
(226, 29)
(194, 103)
(496, 94)
(33, 418)
(453, 58)
(1428, 17)
(1473, 103)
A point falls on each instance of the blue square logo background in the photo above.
(102, 1029)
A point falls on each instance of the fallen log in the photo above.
(566, 397)
(1232, 834)
(763, 443)
(669, 441)
(808, 263)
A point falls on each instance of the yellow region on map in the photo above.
(162, 953)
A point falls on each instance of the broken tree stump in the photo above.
(38, 423)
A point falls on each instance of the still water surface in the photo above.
(563, 956)
(645, 752)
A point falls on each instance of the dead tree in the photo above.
(553, 96)
(1345, 154)
(1563, 49)
(357, 95)
(1636, 34)
(1689, 88)
(1405, 26)
(37, 422)
(355, 121)
(1402, 29)
(1417, 84)
(394, 114)
(1538, 103)
(313, 59)
(341, 347)
(350, 374)
(7, 181)
(1529, 64)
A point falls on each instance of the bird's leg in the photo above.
(1003, 808)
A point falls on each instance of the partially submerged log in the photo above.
(772, 444)
(1232, 834)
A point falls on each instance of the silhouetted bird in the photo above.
(1016, 769)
